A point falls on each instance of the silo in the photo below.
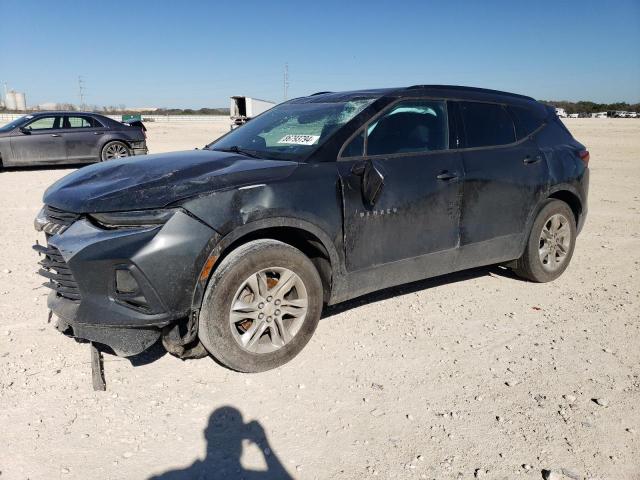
(10, 100)
(21, 101)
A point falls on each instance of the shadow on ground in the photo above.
(224, 435)
(494, 270)
(28, 168)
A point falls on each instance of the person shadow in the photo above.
(224, 435)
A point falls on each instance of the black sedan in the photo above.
(68, 137)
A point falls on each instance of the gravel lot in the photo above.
(471, 374)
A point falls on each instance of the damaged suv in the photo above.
(233, 250)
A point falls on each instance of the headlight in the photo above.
(134, 218)
(40, 220)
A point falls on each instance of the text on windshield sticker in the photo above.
(299, 139)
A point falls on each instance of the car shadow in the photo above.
(150, 355)
(464, 275)
(224, 435)
(28, 168)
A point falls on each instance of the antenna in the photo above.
(81, 91)
(286, 80)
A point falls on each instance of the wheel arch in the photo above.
(571, 198)
(303, 235)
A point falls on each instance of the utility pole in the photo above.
(81, 91)
(286, 80)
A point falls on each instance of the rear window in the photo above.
(526, 121)
(487, 124)
(82, 122)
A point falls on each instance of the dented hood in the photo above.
(155, 181)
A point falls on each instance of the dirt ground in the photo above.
(476, 374)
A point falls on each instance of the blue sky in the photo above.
(198, 53)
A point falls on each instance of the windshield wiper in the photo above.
(241, 151)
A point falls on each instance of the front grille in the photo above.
(57, 272)
(60, 217)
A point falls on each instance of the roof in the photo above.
(447, 91)
(59, 112)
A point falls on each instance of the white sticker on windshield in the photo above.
(299, 139)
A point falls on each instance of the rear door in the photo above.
(82, 134)
(40, 142)
(401, 187)
(505, 177)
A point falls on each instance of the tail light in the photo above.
(584, 156)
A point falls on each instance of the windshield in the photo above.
(290, 131)
(16, 123)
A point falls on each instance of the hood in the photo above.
(155, 181)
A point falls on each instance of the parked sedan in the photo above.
(68, 137)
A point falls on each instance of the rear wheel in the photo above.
(550, 245)
(114, 150)
(261, 306)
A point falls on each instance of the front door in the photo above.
(401, 188)
(40, 141)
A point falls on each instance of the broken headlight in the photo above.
(132, 219)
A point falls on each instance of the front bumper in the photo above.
(164, 261)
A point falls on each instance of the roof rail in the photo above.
(319, 93)
(469, 89)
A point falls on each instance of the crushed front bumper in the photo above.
(84, 262)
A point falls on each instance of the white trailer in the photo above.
(560, 112)
(243, 109)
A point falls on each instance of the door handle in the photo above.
(97, 133)
(55, 135)
(446, 176)
(529, 160)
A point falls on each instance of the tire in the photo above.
(545, 259)
(279, 336)
(114, 150)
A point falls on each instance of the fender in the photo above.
(209, 266)
(566, 187)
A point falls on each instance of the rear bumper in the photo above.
(139, 151)
(164, 261)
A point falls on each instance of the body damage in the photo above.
(372, 222)
(156, 181)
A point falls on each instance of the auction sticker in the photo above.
(299, 139)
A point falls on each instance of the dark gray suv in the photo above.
(68, 137)
(233, 250)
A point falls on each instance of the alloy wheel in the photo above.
(115, 150)
(268, 310)
(555, 242)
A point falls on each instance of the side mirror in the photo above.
(25, 130)
(371, 183)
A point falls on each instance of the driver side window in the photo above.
(44, 123)
(409, 126)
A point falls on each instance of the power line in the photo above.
(81, 90)
(286, 80)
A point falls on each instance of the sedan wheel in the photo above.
(114, 150)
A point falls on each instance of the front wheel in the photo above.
(114, 150)
(261, 306)
(550, 245)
